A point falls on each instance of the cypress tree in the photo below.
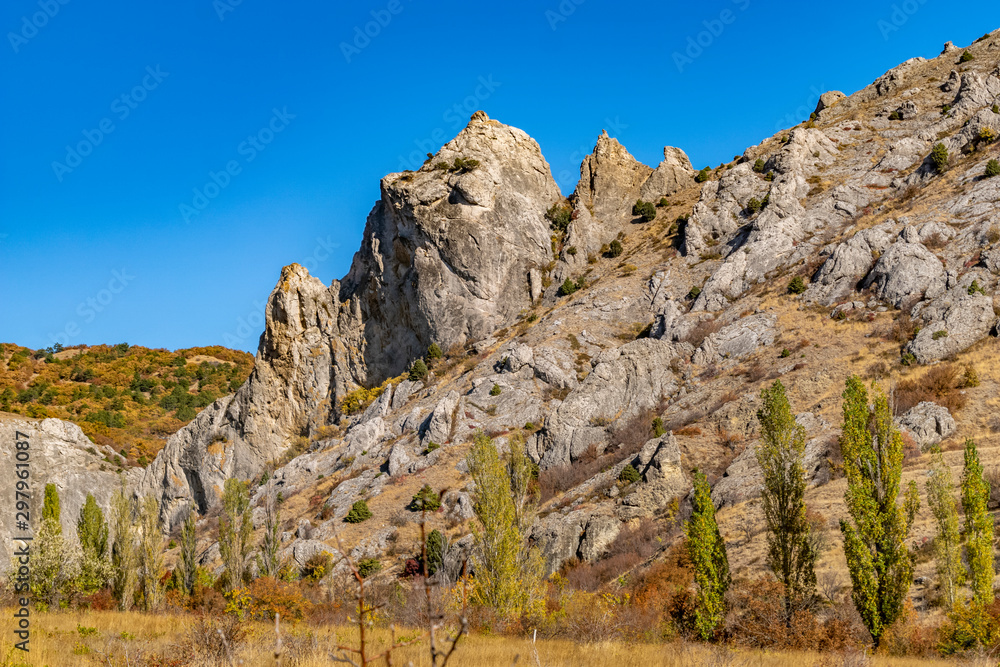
(874, 540)
(947, 541)
(978, 526)
(708, 555)
(791, 555)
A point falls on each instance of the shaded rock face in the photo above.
(58, 453)
(447, 253)
(659, 463)
(929, 423)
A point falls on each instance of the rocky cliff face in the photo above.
(686, 326)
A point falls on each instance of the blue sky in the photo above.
(161, 162)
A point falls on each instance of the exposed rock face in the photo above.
(906, 273)
(58, 453)
(955, 321)
(848, 263)
(674, 173)
(659, 463)
(447, 253)
(737, 340)
(828, 99)
(929, 423)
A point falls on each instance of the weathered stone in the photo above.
(737, 340)
(905, 274)
(600, 532)
(929, 423)
(955, 322)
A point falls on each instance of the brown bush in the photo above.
(901, 330)
(939, 384)
(689, 431)
(633, 545)
(702, 330)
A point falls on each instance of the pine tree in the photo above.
(708, 556)
(507, 572)
(150, 556)
(947, 541)
(874, 541)
(267, 562)
(123, 550)
(791, 555)
(50, 506)
(235, 527)
(189, 552)
(92, 530)
(978, 526)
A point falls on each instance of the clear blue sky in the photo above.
(150, 98)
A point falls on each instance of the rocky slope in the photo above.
(897, 262)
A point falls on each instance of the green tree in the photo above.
(507, 573)
(150, 554)
(189, 552)
(435, 551)
(268, 564)
(92, 530)
(50, 506)
(790, 552)
(939, 157)
(123, 550)
(359, 512)
(874, 540)
(434, 351)
(978, 526)
(235, 527)
(54, 565)
(418, 371)
(708, 556)
(947, 539)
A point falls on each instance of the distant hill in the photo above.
(131, 398)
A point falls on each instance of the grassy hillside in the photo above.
(131, 398)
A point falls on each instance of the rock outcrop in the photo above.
(929, 423)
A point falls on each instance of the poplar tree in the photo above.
(874, 540)
(948, 539)
(267, 561)
(123, 549)
(235, 527)
(978, 526)
(150, 556)
(92, 530)
(189, 552)
(708, 556)
(50, 506)
(791, 555)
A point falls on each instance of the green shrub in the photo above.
(663, 202)
(434, 351)
(629, 475)
(769, 176)
(435, 551)
(976, 288)
(425, 499)
(986, 136)
(895, 115)
(644, 209)
(694, 293)
(703, 175)
(939, 156)
(996, 108)
(369, 566)
(966, 57)
(658, 428)
(797, 285)
(992, 169)
(559, 216)
(359, 512)
(939, 334)
(463, 165)
(785, 353)
(431, 446)
(945, 109)
(758, 165)
(571, 251)
(615, 249)
(418, 371)
(753, 206)
(495, 391)
(568, 287)
(185, 413)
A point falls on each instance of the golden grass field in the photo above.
(57, 640)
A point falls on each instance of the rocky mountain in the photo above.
(864, 240)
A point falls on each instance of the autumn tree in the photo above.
(54, 564)
(267, 561)
(124, 557)
(947, 538)
(235, 527)
(150, 555)
(790, 552)
(508, 577)
(92, 531)
(978, 526)
(874, 539)
(189, 552)
(708, 556)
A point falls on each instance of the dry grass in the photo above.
(56, 641)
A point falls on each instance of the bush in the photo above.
(658, 428)
(797, 285)
(663, 202)
(369, 566)
(495, 391)
(753, 206)
(571, 251)
(568, 287)
(970, 378)
(425, 499)
(976, 288)
(966, 57)
(316, 567)
(703, 175)
(992, 169)
(418, 371)
(434, 351)
(693, 293)
(939, 157)
(359, 512)
(987, 136)
(431, 446)
(629, 475)
(644, 209)
(938, 335)
(559, 215)
(895, 115)
(615, 249)
(996, 108)
(758, 165)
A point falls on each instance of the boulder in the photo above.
(737, 340)
(906, 273)
(954, 322)
(673, 174)
(929, 423)
(828, 99)
(399, 462)
(440, 423)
